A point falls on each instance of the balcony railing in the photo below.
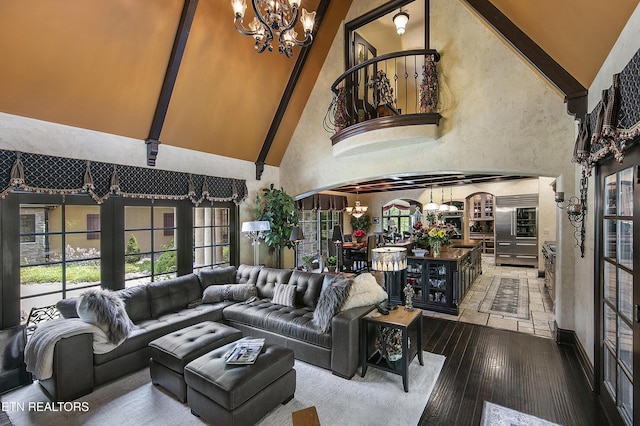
(394, 89)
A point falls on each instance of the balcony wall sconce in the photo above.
(400, 20)
(576, 208)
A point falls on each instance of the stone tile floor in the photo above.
(542, 317)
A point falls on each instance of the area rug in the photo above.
(507, 296)
(376, 399)
(496, 415)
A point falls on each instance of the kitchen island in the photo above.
(441, 282)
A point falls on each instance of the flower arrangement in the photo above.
(425, 236)
(358, 234)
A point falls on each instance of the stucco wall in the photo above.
(625, 47)
(499, 115)
(41, 137)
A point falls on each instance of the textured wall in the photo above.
(627, 45)
(499, 115)
(41, 137)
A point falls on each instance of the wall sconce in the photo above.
(576, 211)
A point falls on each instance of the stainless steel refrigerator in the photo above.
(516, 230)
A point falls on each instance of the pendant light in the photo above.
(452, 207)
(431, 206)
(443, 206)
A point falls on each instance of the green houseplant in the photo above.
(279, 208)
(363, 222)
(331, 262)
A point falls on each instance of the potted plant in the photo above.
(306, 261)
(331, 262)
(279, 208)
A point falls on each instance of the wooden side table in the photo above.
(378, 326)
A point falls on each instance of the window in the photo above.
(93, 224)
(211, 230)
(61, 260)
(150, 254)
(317, 227)
(400, 219)
(27, 228)
(168, 224)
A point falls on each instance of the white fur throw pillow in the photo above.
(106, 311)
(364, 291)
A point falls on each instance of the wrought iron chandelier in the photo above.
(275, 18)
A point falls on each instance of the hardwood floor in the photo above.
(519, 371)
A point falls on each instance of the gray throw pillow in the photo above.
(67, 307)
(331, 300)
(284, 294)
(235, 292)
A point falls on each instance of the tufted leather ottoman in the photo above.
(239, 394)
(170, 353)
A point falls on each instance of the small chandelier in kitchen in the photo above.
(275, 18)
(358, 210)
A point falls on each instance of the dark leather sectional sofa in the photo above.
(159, 308)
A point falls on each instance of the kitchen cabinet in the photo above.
(481, 207)
(441, 282)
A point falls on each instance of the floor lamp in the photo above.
(336, 237)
(390, 260)
(254, 231)
(296, 237)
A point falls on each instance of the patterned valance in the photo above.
(614, 123)
(58, 175)
(323, 202)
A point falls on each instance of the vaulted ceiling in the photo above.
(100, 65)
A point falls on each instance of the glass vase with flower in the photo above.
(358, 235)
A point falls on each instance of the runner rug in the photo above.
(507, 296)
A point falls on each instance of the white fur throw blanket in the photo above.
(40, 346)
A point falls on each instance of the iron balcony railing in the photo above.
(391, 85)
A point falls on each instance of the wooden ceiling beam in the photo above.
(179, 44)
(288, 93)
(575, 94)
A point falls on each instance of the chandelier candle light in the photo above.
(255, 231)
(275, 18)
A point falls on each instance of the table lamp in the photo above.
(296, 237)
(255, 231)
(389, 260)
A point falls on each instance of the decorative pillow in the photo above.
(105, 310)
(331, 300)
(364, 291)
(67, 307)
(217, 275)
(284, 294)
(235, 292)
